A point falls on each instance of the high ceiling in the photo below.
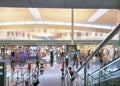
(63, 15)
(49, 23)
(61, 3)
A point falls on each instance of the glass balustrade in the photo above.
(103, 63)
(110, 71)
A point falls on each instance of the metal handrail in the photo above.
(109, 78)
(25, 79)
(102, 67)
(79, 80)
(13, 73)
(16, 71)
(111, 35)
(80, 77)
(22, 74)
(108, 74)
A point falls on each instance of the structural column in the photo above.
(118, 22)
(72, 26)
(118, 16)
(85, 77)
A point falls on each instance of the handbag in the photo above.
(37, 81)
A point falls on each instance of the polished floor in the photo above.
(50, 77)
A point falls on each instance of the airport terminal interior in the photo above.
(59, 46)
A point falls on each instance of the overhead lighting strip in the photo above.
(97, 15)
(87, 25)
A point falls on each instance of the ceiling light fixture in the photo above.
(97, 15)
(89, 25)
(35, 12)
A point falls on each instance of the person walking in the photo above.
(12, 66)
(29, 66)
(37, 64)
(35, 81)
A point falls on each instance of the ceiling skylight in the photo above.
(97, 15)
(35, 12)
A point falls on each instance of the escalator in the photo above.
(108, 75)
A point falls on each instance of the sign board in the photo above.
(71, 48)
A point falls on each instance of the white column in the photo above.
(72, 26)
(118, 22)
(118, 16)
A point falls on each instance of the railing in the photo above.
(67, 78)
(21, 78)
(50, 42)
(110, 36)
(25, 78)
(79, 80)
(109, 71)
(18, 76)
(10, 77)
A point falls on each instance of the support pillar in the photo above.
(118, 22)
(72, 26)
(85, 77)
(118, 52)
(118, 16)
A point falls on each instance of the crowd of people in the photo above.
(76, 59)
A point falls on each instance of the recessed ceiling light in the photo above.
(35, 12)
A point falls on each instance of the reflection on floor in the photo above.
(50, 77)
